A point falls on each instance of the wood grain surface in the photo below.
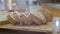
(54, 11)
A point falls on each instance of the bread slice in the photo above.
(3, 18)
(18, 19)
(36, 19)
(10, 19)
(39, 17)
(27, 20)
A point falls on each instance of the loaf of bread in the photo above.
(38, 17)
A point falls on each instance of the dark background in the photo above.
(50, 1)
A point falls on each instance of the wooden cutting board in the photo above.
(41, 28)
